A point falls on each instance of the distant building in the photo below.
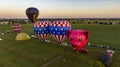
(4, 22)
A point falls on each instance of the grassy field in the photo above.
(34, 53)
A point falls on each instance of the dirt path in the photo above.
(55, 59)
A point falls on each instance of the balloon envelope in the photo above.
(77, 38)
(32, 13)
(22, 36)
(58, 30)
(42, 29)
(16, 27)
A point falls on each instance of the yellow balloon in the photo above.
(22, 36)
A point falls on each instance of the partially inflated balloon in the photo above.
(22, 36)
(58, 30)
(16, 27)
(32, 13)
(77, 38)
(41, 28)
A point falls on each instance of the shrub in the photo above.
(95, 64)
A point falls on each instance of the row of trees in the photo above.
(103, 22)
(12, 21)
(73, 21)
(21, 21)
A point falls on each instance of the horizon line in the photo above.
(61, 17)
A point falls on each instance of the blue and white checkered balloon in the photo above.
(58, 29)
(42, 29)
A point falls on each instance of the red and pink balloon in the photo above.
(58, 30)
(77, 38)
(16, 27)
(41, 28)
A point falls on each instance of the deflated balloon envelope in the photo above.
(32, 13)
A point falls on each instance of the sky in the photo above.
(61, 8)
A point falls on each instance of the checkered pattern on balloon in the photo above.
(58, 30)
(41, 28)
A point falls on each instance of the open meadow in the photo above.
(35, 53)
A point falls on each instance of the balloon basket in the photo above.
(59, 43)
(76, 51)
(81, 51)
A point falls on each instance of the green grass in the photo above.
(102, 34)
(34, 53)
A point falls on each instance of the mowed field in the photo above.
(34, 53)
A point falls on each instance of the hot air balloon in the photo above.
(58, 30)
(41, 28)
(22, 36)
(16, 27)
(32, 13)
(78, 39)
(106, 58)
